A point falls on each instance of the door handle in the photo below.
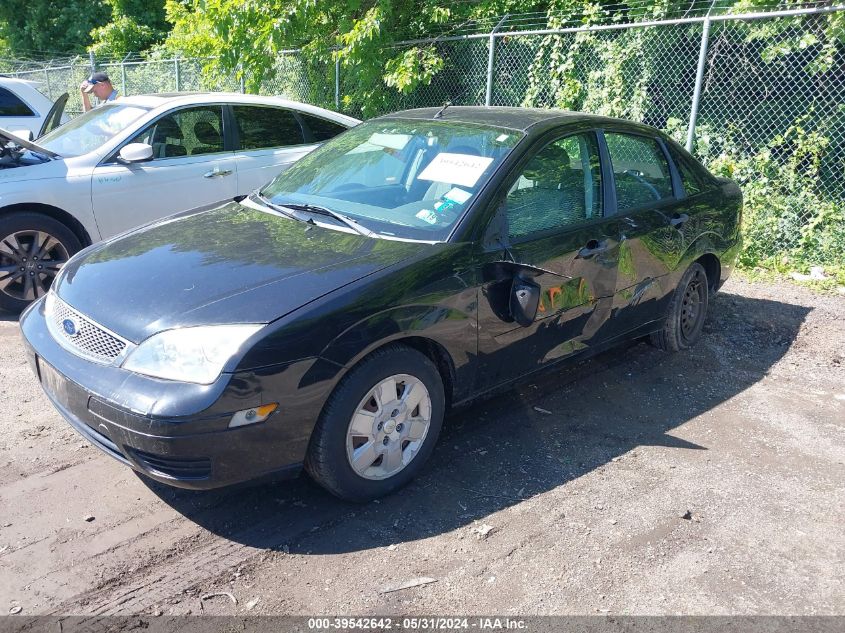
(592, 248)
(214, 173)
(678, 220)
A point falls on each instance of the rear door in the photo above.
(192, 167)
(16, 114)
(555, 221)
(269, 140)
(648, 203)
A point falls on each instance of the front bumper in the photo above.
(175, 433)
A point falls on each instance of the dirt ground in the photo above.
(706, 482)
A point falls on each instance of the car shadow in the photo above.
(537, 437)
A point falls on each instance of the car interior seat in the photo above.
(209, 138)
(167, 139)
(554, 198)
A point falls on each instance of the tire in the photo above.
(686, 313)
(33, 247)
(347, 454)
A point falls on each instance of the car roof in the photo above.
(521, 119)
(171, 99)
(15, 81)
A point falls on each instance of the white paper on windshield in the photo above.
(392, 141)
(456, 169)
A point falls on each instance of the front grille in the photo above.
(85, 337)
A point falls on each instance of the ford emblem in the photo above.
(70, 328)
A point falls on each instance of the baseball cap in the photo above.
(95, 78)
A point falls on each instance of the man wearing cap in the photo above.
(100, 85)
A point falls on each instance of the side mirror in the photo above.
(525, 299)
(23, 132)
(135, 153)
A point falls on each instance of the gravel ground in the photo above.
(706, 482)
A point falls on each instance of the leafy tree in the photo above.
(135, 26)
(43, 28)
(249, 34)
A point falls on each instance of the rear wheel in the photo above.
(33, 248)
(687, 312)
(379, 426)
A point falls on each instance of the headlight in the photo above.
(194, 354)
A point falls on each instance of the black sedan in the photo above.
(407, 266)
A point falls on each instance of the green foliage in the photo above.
(136, 25)
(790, 221)
(43, 28)
(415, 67)
(246, 37)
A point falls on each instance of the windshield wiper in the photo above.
(318, 210)
(285, 211)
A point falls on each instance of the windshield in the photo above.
(407, 179)
(89, 131)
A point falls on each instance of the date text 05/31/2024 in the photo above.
(424, 623)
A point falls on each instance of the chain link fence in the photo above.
(758, 97)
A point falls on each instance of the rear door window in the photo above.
(691, 181)
(11, 105)
(264, 128)
(321, 129)
(640, 169)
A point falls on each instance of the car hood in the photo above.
(232, 264)
(6, 136)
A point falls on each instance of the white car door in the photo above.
(191, 168)
(270, 140)
(16, 115)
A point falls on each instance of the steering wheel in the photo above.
(639, 177)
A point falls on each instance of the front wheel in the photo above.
(687, 311)
(379, 426)
(33, 248)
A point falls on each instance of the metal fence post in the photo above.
(47, 83)
(491, 60)
(699, 78)
(337, 84)
(123, 74)
(93, 61)
(178, 76)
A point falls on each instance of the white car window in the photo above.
(11, 105)
(89, 131)
(260, 127)
(188, 132)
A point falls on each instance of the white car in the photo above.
(23, 109)
(135, 160)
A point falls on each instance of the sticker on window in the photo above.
(426, 215)
(456, 194)
(453, 198)
(456, 169)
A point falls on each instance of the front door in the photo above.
(191, 168)
(555, 224)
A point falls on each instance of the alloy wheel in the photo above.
(29, 261)
(388, 427)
